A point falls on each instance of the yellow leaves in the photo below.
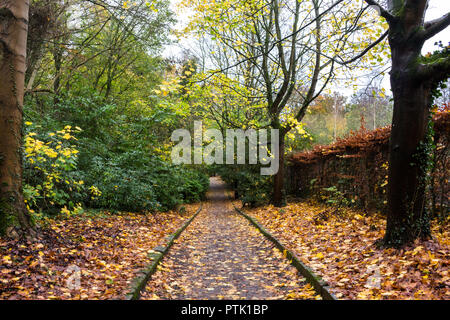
(6, 259)
(319, 256)
(359, 217)
(95, 192)
(306, 292)
(167, 87)
(66, 136)
(52, 157)
(417, 250)
(65, 211)
(50, 153)
(344, 254)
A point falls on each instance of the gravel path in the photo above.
(221, 256)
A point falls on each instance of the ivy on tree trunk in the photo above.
(413, 80)
(14, 218)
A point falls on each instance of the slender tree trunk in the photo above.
(57, 57)
(278, 199)
(374, 116)
(335, 122)
(14, 218)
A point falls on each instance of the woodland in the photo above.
(92, 90)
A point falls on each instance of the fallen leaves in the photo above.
(104, 253)
(222, 256)
(342, 251)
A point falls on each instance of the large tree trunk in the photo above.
(407, 218)
(14, 218)
(413, 79)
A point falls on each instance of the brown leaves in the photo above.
(222, 256)
(342, 251)
(102, 253)
(361, 141)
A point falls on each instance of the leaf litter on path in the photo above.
(222, 256)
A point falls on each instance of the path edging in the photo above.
(317, 282)
(156, 255)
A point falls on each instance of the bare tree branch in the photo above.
(380, 39)
(383, 12)
(435, 26)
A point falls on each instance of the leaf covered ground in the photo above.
(222, 256)
(108, 249)
(341, 249)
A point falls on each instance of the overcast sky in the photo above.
(437, 9)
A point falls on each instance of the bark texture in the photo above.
(13, 40)
(413, 80)
(278, 199)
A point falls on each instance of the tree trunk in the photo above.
(278, 199)
(57, 57)
(14, 218)
(413, 80)
(407, 219)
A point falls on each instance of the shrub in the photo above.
(250, 186)
(50, 160)
(144, 184)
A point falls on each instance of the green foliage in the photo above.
(251, 187)
(131, 180)
(136, 182)
(120, 156)
(334, 197)
(50, 160)
(195, 184)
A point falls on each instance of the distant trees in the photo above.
(372, 106)
(326, 118)
(333, 116)
(285, 53)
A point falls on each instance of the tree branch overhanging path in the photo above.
(90, 185)
(414, 78)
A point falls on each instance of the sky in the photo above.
(436, 9)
